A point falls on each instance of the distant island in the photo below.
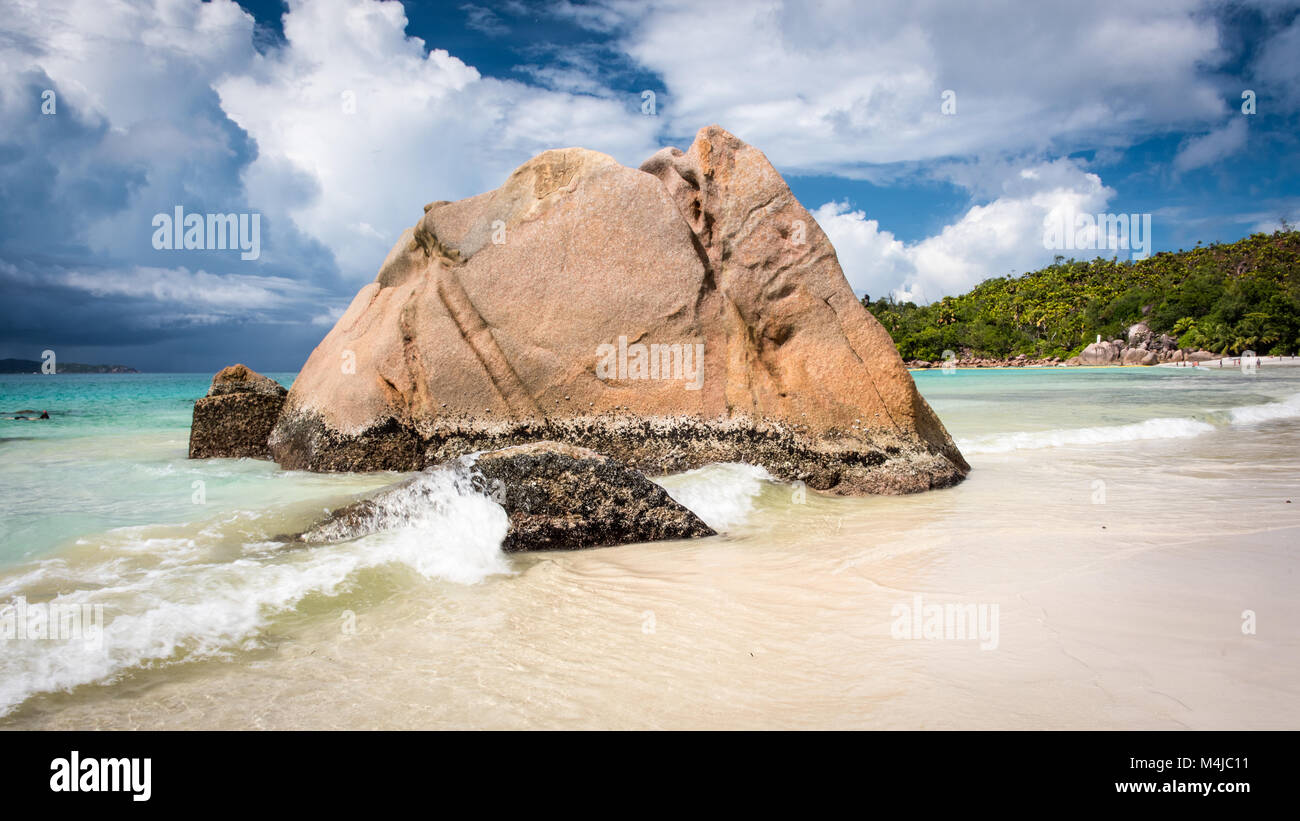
(34, 366)
(1224, 298)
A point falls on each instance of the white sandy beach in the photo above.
(1137, 531)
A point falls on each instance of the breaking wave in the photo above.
(1164, 428)
(1288, 408)
(166, 612)
(1173, 428)
(723, 495)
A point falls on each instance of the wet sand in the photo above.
(1123, 613)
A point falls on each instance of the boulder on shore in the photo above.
(236, 416)
(1099, 353)
(1138, 334)
(1140, 356)
(558, 497)
(687, 312)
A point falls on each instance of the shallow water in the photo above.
(1120, 520)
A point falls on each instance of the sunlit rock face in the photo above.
(686, 312)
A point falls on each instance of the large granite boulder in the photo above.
(1140, 356)
(686, 312)
(558, 497)
(1139, 334)
(236, 416)
(1100, 353)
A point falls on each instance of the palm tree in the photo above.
(1261, 327)
(1220, 337)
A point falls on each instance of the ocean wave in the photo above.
(1171, 428)
(722, 495)
(1165, 428)
(1288, 408)
(441, 529)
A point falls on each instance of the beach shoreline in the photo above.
(1230, 362)
(1084, 522)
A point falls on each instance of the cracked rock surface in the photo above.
(530, 312)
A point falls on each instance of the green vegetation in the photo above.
(1225, 298)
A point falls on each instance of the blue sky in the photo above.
(336, 120)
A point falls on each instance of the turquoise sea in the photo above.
(1175, 484)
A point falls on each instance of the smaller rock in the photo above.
(558, 497)
(243, 379)
(1138, 356)
(235, 419)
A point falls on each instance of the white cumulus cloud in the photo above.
(991, 239)
(378, 127)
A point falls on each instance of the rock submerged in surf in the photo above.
(237, 415)
(557, 496)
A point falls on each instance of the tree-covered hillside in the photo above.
(1225, 298)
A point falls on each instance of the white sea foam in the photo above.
(186, 606)
(439, 527)
(1288, 408)
(723, 495)
(1164, 428)
(1171, 428)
